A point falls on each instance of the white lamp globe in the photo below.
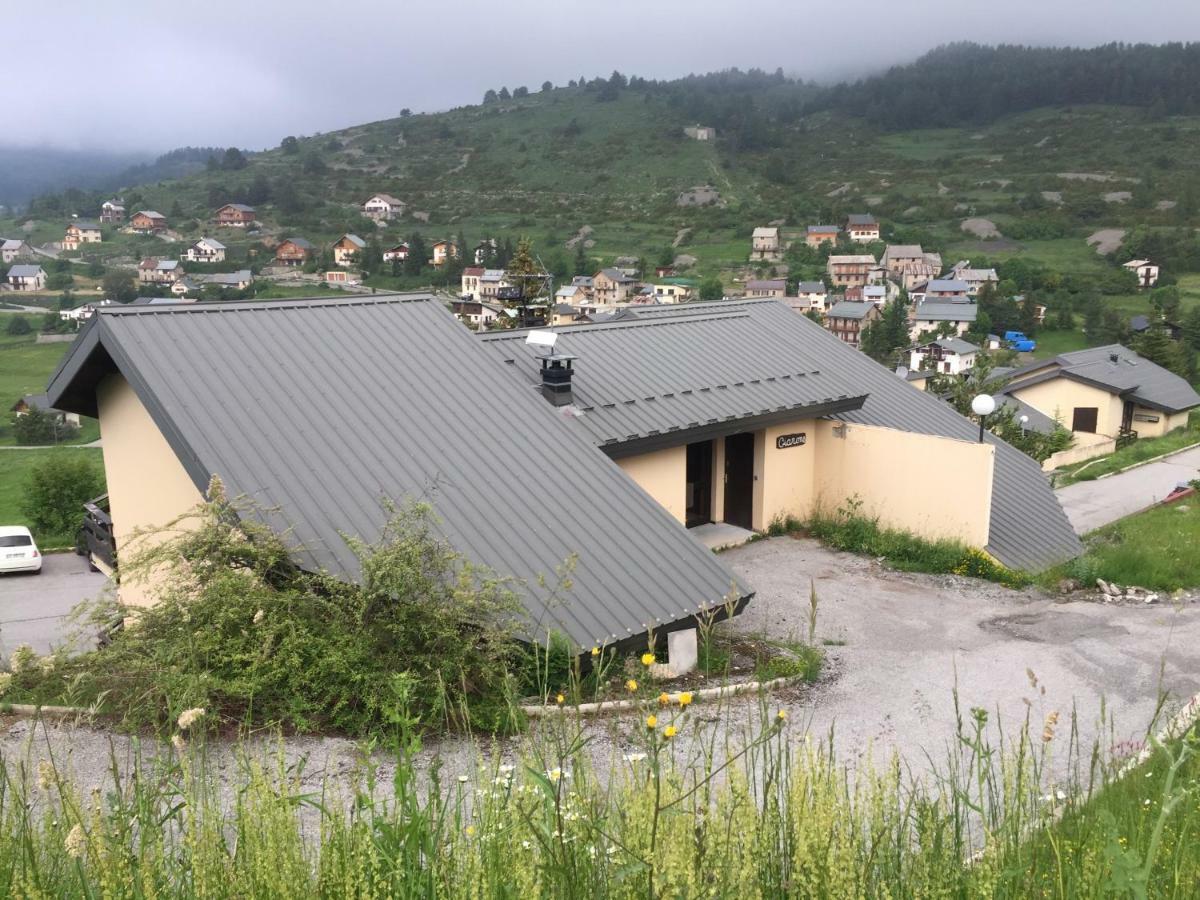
(983, 405)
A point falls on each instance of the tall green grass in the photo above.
(778, 816)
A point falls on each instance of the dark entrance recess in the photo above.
(699, 483)
(1085, 419)
(739, 479)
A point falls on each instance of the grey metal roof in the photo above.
(645, 381)
(357, 399)
(822, 229)
(811, 287)
(934, 311)
(1028, 529)
(354, 239)
(848, 309)
(228, 278)
(1120, 370)
(240, 207)
(948, 284)
(766, 284)
(24, 271)
(954, 345)
(616, 275)
(211, 243)
(298, 242)
(84, 225)
(861, 219)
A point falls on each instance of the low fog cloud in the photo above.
(146, 74)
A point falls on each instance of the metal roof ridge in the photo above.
(268, 305)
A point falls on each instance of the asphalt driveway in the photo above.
(1091, 504)
(33, 607)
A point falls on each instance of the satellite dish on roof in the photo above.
(542, 339)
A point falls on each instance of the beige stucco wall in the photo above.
(663, 475)
(1086, 446)
(147, 485)
(783, 479)
(932, 486)
(1059, 397)
(1166, 422)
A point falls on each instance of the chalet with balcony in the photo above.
(159, 271)
(382, 208)
(845, 271)
(24, 277)
(293, 252)
(147, 221)
(849, 320)
(346, 250)
(946, 356)
(764, 244)
(112, 212)
(205, 250)
(862, 228)
(81, 232)
(235, 215)
(612, 286)
(816, 235)
(766, 287)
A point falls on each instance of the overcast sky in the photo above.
(156, 74)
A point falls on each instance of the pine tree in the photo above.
(583, 265)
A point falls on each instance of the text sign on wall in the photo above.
(791, 440)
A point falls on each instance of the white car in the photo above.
(18, 552)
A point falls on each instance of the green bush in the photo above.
(424, 638)
(57, 490)
(37, 427)
(17, 325)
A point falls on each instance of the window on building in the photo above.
(1084, 419)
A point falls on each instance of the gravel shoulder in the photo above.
(898, 646)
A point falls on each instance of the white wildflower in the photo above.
(75, 842)
(634, 757)
(178, 743)
(5, 682)
(463, 779)
(45, 774)
(507, 770)
(259, 616)
(189, 717)
(22, 658)
(47, 664)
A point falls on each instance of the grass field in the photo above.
(1154, 549)
(25, 367)
(15, 466)
(1133, 453)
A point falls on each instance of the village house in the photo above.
(675, 290)
(739, 439)
(563, 314)
(849, 270)
(41, 402)
(469, 287)
(184, 286)
(147, 221)
(382, 208)
(946, 356)
(476, 313)
(235, 215)
(1146, 272)
(816, 235)
(869, 293)
(159, 271)
(945, 289)
(766, 287)
(931, 316)
(1107, 396)
(23, 277)
(397, 253)
(764, 244)
(239, 280)
(205, 250)
(112, 212)
(974, 279)
(493, 283)
(612, 286)
(812, 295)
(293, 252)
(700, 132)
(899, 257)
(484, 250)
(13, 249)
(587, 282)
(862, 228)
(570, 295)
(81, 232)
(848, 320)
(346, 250)
(443, 250)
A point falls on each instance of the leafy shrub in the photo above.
(57, 489)
(17, 325)
(424, 638)
(37, 427)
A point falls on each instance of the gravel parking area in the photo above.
(898, 644)
(33, 608)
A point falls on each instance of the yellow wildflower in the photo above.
(664, 698)
(595, 651)
(781, 715)
(560, 699)
(647, 659)
(651, 722)
(685, 698)
(631, 685)
(670, 731)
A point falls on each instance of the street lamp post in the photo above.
(983, 406)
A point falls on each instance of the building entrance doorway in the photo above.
(699, 483)
(739, 479)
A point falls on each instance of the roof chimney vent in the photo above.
(556, 378)
(1113, 358)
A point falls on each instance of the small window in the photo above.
(1085, 418)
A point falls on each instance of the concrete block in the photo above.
(682, 651)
